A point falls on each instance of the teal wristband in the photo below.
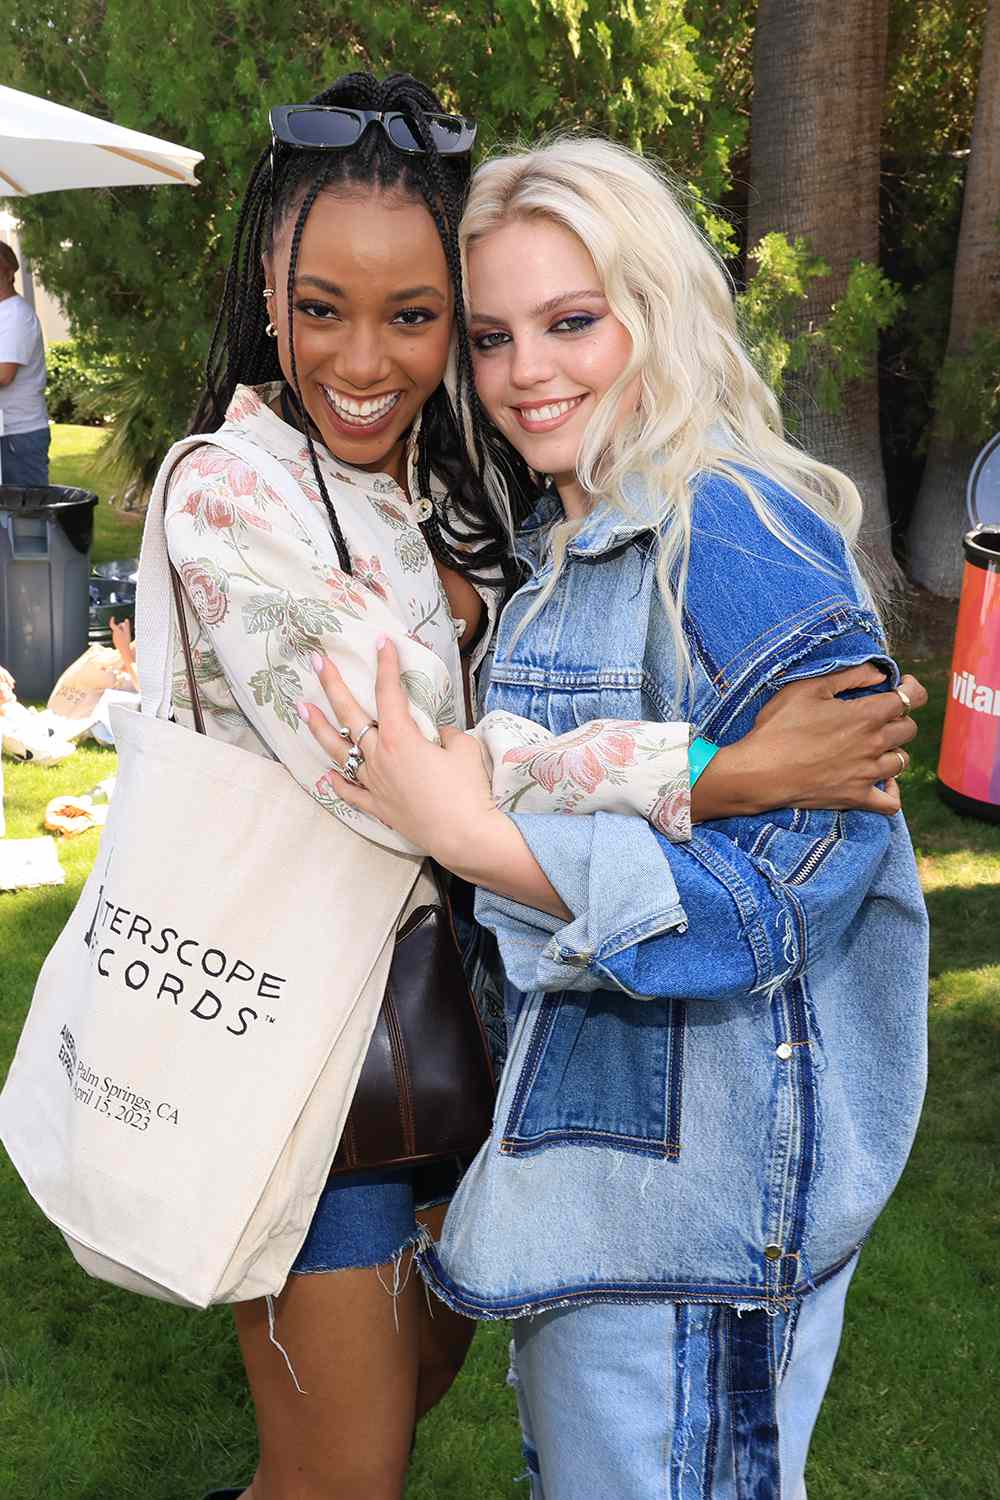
(700, 753)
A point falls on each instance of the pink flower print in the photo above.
(325, 791)
(389, 512)
(583, 762)
(304, 457)
(245, 403)
(671, 813)
(208, 589)
(215, 463)
(370, 572)
(306, 480)
(220, 511)
(346, 595)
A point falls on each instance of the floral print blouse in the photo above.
(608, 765)
(264, 590)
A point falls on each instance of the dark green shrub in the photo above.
(76, 382)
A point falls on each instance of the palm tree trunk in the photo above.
(939, 518)
(819, 73)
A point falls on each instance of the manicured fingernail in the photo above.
(379, 642)
(318, 662)
(302, 709)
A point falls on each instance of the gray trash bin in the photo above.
(45, 537)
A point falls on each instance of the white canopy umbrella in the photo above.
(45, 146)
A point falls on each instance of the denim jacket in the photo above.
(716, 1067)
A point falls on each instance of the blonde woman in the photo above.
(716, 1045)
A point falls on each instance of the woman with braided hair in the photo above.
(341, 307)
(338, 500)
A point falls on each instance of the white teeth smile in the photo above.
(550, 412)
(361, 413)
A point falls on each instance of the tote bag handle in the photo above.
(159, 595)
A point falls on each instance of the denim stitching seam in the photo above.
(727, 1294)
(581, 1135)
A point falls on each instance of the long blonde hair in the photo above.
(702, 407)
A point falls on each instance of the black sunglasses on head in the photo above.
(329, 127)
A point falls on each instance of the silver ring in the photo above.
(904, 700)
(345, 734)
(352, 765)
(372, 724)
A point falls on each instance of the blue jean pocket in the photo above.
(603, 1070)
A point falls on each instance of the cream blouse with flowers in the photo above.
(264, 590)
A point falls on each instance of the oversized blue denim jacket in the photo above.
(716, 1067)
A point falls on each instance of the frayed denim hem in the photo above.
(418, 1240)
(741, 1299)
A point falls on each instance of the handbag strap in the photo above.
(196, 706)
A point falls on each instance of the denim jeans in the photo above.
(677, 1401)
(24, 457)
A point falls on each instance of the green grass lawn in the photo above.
(75, 458)
(104, 1396)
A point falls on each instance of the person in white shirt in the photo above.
(24, 432)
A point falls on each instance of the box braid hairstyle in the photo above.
(290, 180)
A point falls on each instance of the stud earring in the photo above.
(270, 330)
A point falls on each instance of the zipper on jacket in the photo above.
(817, 854)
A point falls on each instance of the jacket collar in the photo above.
(606, 529)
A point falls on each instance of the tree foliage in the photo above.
(844, 344)
(76, 387)
(839, 349)
(140, 270)
(784, 269)
(968, 392)
(930, 99)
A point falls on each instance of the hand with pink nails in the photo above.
(438, 796)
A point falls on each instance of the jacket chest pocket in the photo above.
(601, 1070)
(598, 700)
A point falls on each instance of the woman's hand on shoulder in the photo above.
(811, 748)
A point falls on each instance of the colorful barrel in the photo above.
(969, 767)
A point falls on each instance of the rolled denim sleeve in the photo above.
(742, 908)
(610, 872)
(708, 920)
(759, 918)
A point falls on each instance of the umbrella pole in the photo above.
(144, 161)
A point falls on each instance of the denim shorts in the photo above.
(368, 1218)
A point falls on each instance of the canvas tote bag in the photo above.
(197, 1031)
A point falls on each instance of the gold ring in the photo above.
(904, 700)
(902, 762)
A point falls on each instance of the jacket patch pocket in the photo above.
(601, 1070)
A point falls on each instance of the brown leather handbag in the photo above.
(426, 1088)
